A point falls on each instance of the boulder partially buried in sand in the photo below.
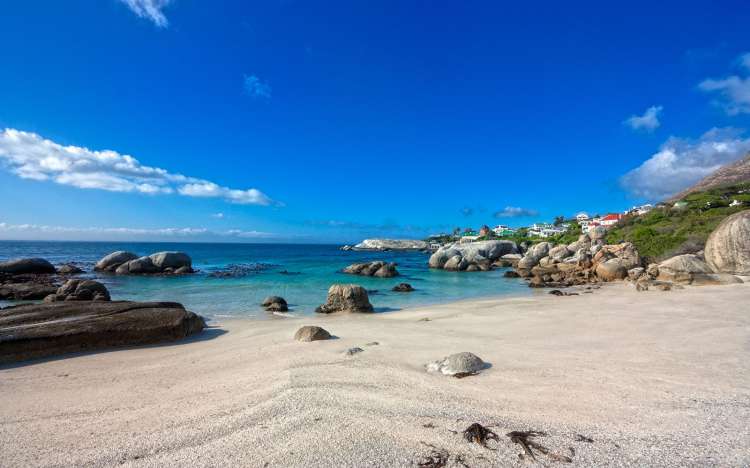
(346, 298)
(728, 247)
(38, 330)
(458, 364)
(311, 333)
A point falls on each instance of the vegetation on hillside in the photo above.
(667, 231)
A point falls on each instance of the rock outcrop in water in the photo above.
(475, 256)
(27, 266)
(275, 304)
(390, 244)
(79, 290)
(378, 269)
(127, 263)
(346, 298)
(48, 329)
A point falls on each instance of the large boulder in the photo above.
(27, 266)
(480, 254)
(138, 266)
(173, 260)
(611, 270)
(597, 233)
(533, 255)
(346, 298)
(728, 247)
(38, 330)
(80, 290)
(379, 269)
(691, 269)
(275, 304)
(114, 260)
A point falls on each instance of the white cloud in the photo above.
(255, 88)
(515, 212)
(649, 121)
(150, 10)
(15, 231)
(680, 163)
(734, 90)
(218, 215)
(30, 156)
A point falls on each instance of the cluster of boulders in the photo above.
(79, 290)
(587, 260)
(27, 279)
(475, 256)
(388, 244)
(346, 298)
(379, 269)
(275, 304)
(128, 263)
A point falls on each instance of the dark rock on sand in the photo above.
(80, 290)
(346, 298)
(27, 266)
(38, 330)
(403, 287)
(311, 333)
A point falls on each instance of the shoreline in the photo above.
(651, 377)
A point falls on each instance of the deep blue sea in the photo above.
(299, 273)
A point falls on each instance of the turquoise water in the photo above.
(311, 270)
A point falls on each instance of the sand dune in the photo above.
(654, 378)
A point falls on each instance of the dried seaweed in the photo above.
(479, 434)
(523, 438)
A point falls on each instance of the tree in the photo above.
(559, 220)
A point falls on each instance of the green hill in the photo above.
(682, 227)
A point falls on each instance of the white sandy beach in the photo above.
(654, 378)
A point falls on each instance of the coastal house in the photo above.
(582, 217)
(502, 230)
(610, 219)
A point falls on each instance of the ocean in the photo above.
(301, 274)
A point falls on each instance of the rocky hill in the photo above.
(731, 174)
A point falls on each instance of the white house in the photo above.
(582, 217)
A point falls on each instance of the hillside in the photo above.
(667, 230)
(731, 174)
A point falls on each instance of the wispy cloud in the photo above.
(255, 88)
(515, 212)
(151, 10)
(218, 215)
(733, 90)
(56, 232)
(390, 227)
(680, 163)
(467, 211)
(649, 121)
(30, 156)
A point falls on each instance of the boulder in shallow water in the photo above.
(378, 269)
(458, 364)
(173, 260)
(311, 333)
(275, 304)
(458, 257)
(346, 298)
(38, 330)
(114, 260)
(27, 266)
(728, 247)
(69, 269)
(403, 287)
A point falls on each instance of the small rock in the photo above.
(353, 351)
(511, 274)
(311, 333)
(69, 269)
(464, 363)
(403, 287)
(275, 301)
(372, 343)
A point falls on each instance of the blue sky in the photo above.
(291, 121)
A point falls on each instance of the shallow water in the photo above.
(311, 270)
